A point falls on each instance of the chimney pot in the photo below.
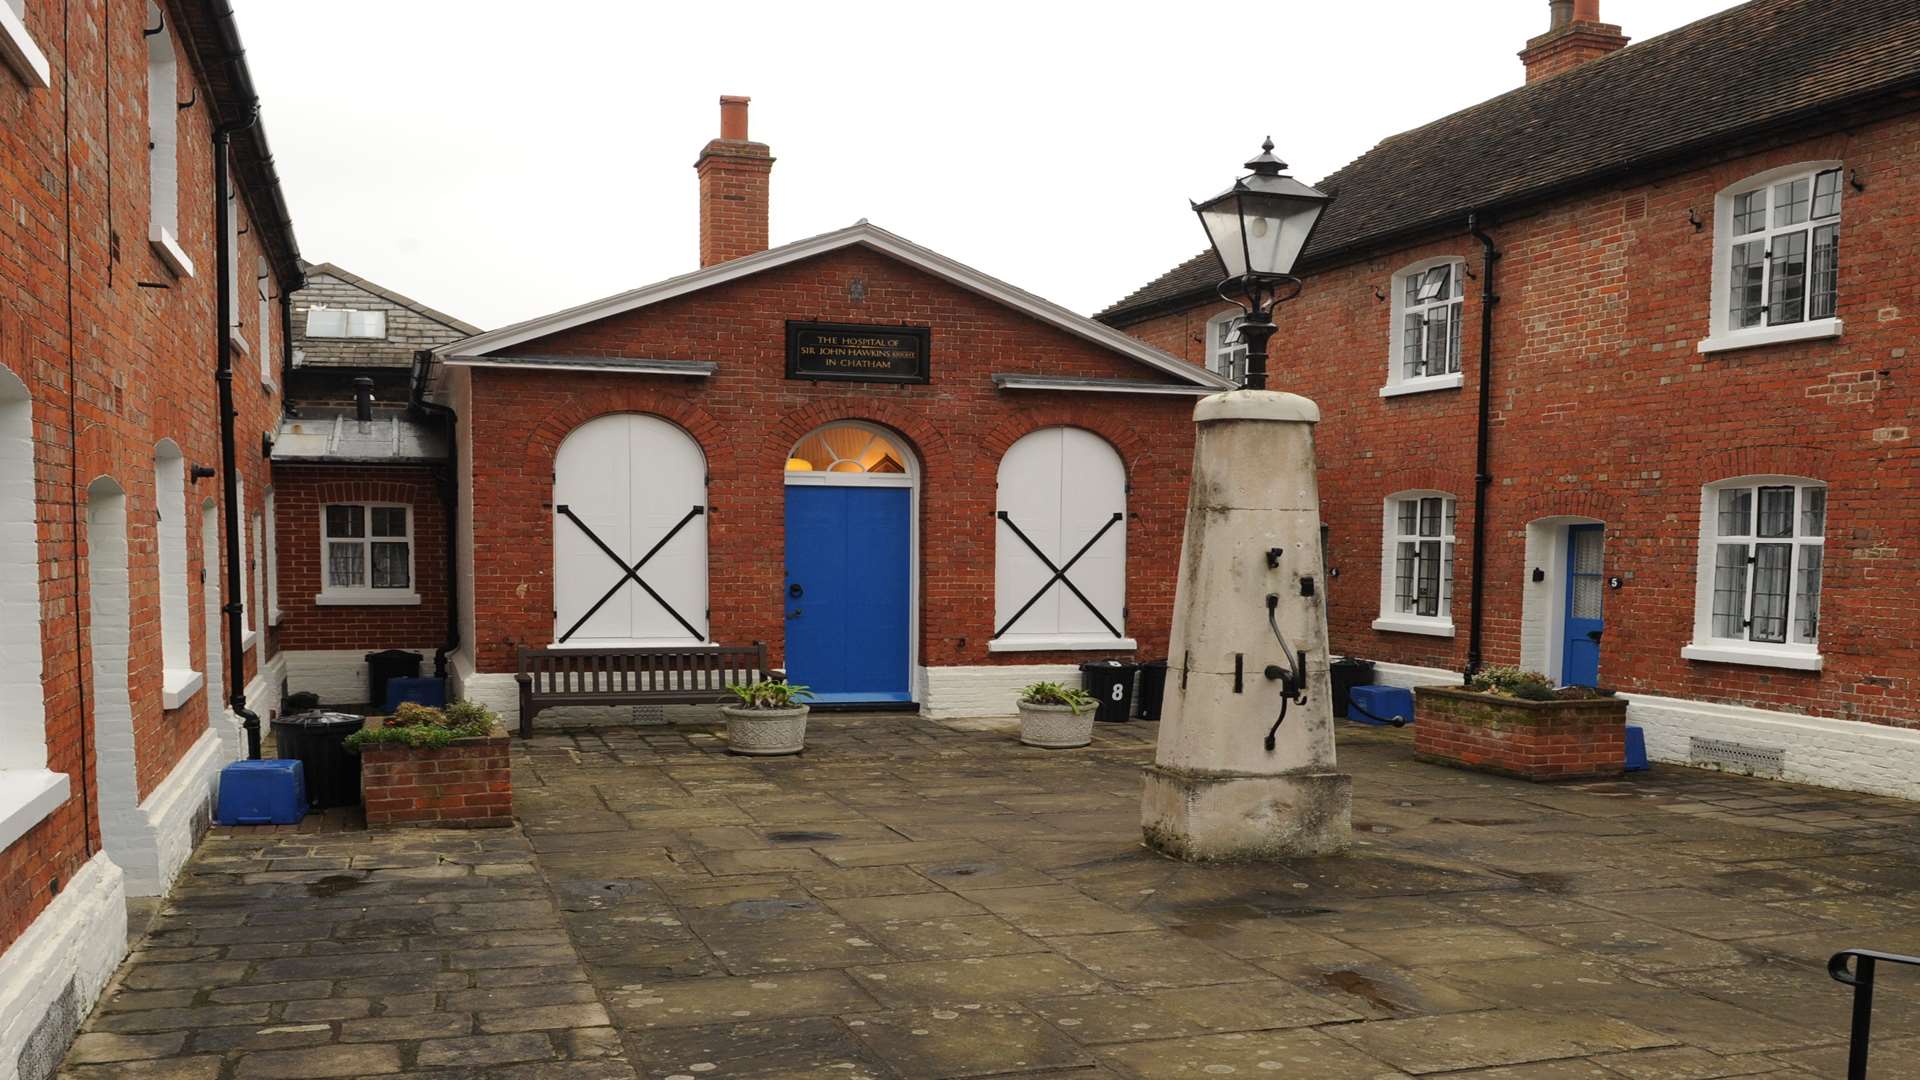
(363, 399)
(733, 117)
(1576, 35)
(1586, 11)
(1560, 13)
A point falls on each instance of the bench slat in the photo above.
(682, 675)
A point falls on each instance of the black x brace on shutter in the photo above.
(630, 573)
(1059, 574)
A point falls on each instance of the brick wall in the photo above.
(1603, 408)
(748, 415)
(132, 364)
(1534, 740)
(299, 493)
(468, 785)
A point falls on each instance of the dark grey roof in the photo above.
(1762, 68)
(331, 436)
(385, 293)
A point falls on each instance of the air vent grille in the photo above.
(1737, 757)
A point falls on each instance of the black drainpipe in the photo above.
(1482, 475)
(286, 351)
(449, 501)
(229, 456)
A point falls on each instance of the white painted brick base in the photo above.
(53, 973)
(172, 819)
(339, 676)
(988, 690)
(1846, 754)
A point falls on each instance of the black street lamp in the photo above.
(1258, 228)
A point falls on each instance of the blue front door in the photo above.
(848, 599)
(1586, 593)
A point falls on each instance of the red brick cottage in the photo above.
(136, 554)
(851, 448)
(1695, 258)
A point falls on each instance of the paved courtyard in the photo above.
(915, 900)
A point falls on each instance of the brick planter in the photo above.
(1533, 740)
(466, 785)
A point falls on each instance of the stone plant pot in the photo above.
(766, 732)
(1055, 727)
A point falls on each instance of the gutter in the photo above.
(1482, 477)
(449, 501)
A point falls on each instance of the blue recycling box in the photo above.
(1636, 748)
(421, 690)
(1380, 705)
(271, 792)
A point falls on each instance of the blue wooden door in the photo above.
(1586, 594)
(848, 599)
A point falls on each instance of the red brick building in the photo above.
(1699, 422)
(129, 277)
(856, 450)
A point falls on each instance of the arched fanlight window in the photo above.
(849, 448)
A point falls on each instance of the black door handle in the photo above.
(794, 614)
(794, 590)
(1593, 635)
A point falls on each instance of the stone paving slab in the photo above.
(912, 900)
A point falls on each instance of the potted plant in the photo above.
(446, 768)
(1517, 723)
(770, 718)
(1055, 716)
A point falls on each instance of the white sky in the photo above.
(502, 160)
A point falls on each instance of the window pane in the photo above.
(390, 566)
(389, 521)
(1826, 271)
(1787, 279)
(1771, 568)
(346, 568)
(1430, 516)
(1409, 508)
(1436, 284)
(1749, 212)
(1729, 590)
(1413, 362)
(1438, 335)
(1746, 276)
(1806, 599)
(1451, 506)
(1736, 512)
(1453, 342)
(1790, 202)
(1813, 511)
(1446, 579)
(1826, 194)
(1428, 601)
(1403, 563)
(346, 521)
(326, 322)
(366, 324)
(1776, 511)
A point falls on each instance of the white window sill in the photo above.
(170, 251)
(239, 340)
(1403, 624)
(1422, 385)
(178, 687)
(274, 618)
(27, 796)
(19, 51)
(1063, 644)
(367, 598)
(1752, 656)
(1771, 335)
(247, 639)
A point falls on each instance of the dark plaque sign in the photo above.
(840, 352)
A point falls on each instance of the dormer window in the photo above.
(1777, 258)
(1428, 298)
(332, 322)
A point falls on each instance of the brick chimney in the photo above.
(733, 189)
(1574, 36)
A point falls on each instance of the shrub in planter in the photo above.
(435, 767)
(1518, 723)
(769, 720)
(1055, 716)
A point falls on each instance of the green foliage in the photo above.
(1053, 693)
(1515, 683)
(770, 694)
(423, 727)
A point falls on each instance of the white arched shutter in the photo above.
(1059, 489)
(628, 481)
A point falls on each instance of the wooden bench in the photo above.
(670, 675)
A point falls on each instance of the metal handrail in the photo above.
(1860, 977)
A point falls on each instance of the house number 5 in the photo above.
(1614, 583)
